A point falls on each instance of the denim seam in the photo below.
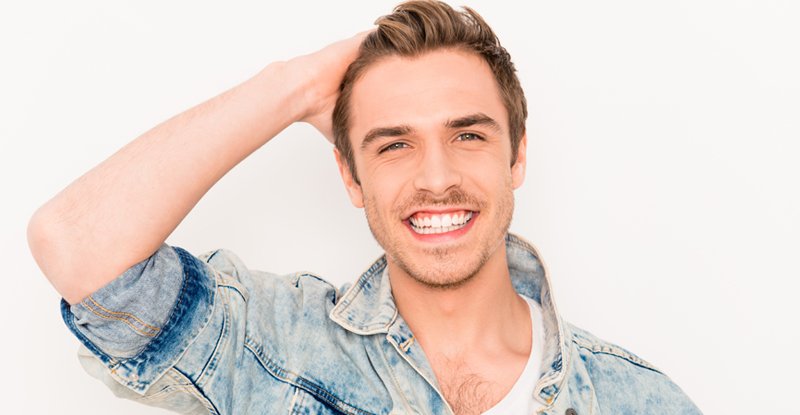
(151, 331)
(337, 314)
(350, 295)
(390, 369)
(314, 276)
(198, 393)
(557, 378)
(111, 362)
(180, 383)
(407, 344)
(613, 351)
(293, 404)
(137, 360)
(145, 354)
(298, 381)
(211, 364)
(229, 282)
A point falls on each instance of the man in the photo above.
(427, 117)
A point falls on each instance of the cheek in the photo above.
(387, 182)
(381, 197)
(392, 168)
(491, 173)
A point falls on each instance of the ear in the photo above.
(353, 188)
(518, 169)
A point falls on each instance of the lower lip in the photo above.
(445, 236)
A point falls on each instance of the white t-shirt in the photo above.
(519, 400)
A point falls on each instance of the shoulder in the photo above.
(233, 273)
(589, 343)
(621, 380)
(279, 312)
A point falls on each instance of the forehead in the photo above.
(424, 92)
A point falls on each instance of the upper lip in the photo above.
(436, 210)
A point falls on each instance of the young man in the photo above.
(427, 116)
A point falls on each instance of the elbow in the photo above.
(40, 238)
(47, 245)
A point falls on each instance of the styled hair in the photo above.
(420, 26)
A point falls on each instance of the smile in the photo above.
(427, 223)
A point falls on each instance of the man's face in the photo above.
(431, 147)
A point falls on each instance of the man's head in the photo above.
(430, 139)
(419, 27)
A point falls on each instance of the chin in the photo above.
(441, 278)
(444, 267)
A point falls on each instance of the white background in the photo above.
(661, 189)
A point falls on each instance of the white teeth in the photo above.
(440, 223)
(427, 231)
(446, 221)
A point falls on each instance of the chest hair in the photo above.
(468, 393)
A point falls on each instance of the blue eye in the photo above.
(469, 137)
(394, 146)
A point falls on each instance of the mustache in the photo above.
(455, 196)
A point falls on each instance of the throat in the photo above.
(454, 326)
(486, 307)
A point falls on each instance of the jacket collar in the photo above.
(367, 307)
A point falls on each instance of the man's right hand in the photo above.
(327, 67)
(122, 210)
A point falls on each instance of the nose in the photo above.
(437, 171)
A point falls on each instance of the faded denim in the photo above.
(207, 335)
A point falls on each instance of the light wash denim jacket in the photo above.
(207, 335)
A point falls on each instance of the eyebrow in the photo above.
(478, 118)
(380, 132)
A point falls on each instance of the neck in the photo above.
(483, 315)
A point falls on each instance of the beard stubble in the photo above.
(450, 270)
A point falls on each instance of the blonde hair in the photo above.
(420, 26)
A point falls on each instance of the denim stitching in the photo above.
(121, 316)
(211, 364)
(300, 382)
(198, 392)
(293, 404)
(407, 344)
(612, 350)
(390, 370)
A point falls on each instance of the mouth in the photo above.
(437, 223)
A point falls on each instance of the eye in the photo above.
(468, 137)
(394, 146)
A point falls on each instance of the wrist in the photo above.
(283, 79)
(300, 77)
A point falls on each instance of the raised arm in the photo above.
(122, 210)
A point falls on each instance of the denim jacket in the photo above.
(207, 335)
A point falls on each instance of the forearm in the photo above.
(121, 211)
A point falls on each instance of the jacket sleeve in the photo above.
(184, 333)
(624, 383)
(136, 329)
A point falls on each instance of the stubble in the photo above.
(442, 268)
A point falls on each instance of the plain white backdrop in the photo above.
(662, 187)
